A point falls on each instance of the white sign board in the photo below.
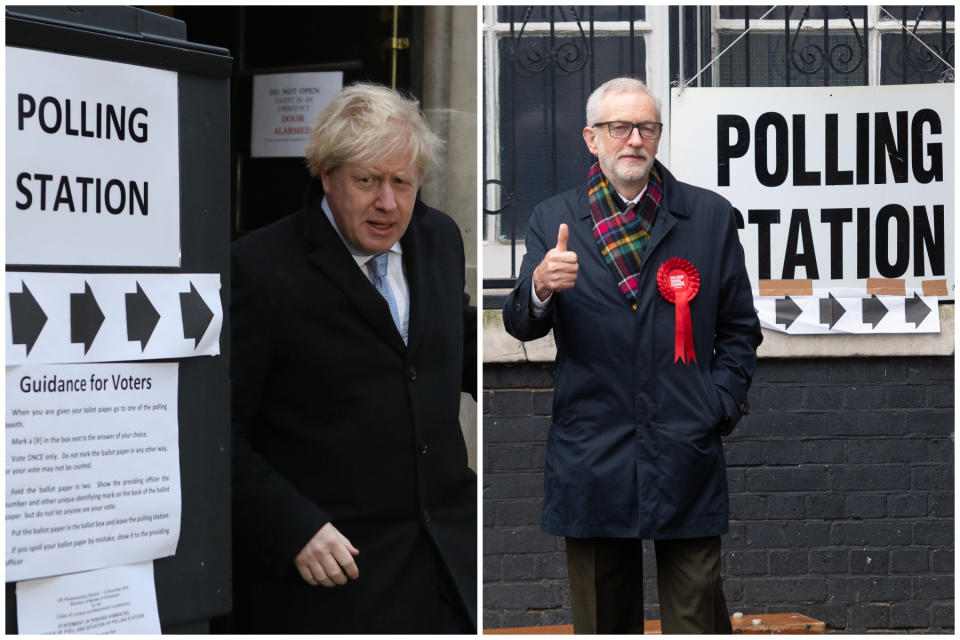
(92, 165)
(284, 108)
(92, 467)
(100, 317)
(839, 191)
(116, 600)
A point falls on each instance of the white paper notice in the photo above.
(113, 600)
(284, 108)
(92, 467)
(92, 162)
(107, 317)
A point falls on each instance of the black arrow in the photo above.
(915, 310)
(830, 311)
(873, 311)
(787, 311)
(85, 317)
(27, 318)
(196, 315)
(142, 317)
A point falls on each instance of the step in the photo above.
(749, 623)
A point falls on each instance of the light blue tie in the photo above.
(378, 270)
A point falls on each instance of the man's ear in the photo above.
(590, 137)
(325, 179)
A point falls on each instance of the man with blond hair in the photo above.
(642, 280)
(354, 509)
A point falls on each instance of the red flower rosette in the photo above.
(679, 282)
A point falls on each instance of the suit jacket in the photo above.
(336, 420)
(634, 448)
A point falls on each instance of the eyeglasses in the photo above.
(623, 129)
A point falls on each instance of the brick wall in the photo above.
(841, 497)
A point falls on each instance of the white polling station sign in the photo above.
(836, 190)
(92, 164)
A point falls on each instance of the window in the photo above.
(540, 65)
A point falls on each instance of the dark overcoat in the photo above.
(336, 420)
(634, 448)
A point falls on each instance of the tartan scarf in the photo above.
(622, 236)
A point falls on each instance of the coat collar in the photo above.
(332, 257)
(674, 200)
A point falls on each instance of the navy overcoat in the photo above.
(634, 448)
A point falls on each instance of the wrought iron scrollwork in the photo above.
(920, 59)
(842, 58)
(924, 61)
(535, 55)
(506, 197)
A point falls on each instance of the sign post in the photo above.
(117, 245)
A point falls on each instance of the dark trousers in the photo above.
(606, 585)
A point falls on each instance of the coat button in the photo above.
(426, 516)
(422, 448)
(517, 308)
(412, 373)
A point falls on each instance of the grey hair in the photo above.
(617, 85)
(368, 123)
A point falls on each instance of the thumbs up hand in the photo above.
(558, 269)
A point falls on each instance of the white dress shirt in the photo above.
(536, 306)
(396, 275)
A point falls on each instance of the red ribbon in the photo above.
(679, 282)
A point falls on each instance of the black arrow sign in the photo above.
(196, 315)
(27, 318)
(142, 317)
(915, 310)
(787, 311)
(873, 311)
(830, 311)
(85, 318)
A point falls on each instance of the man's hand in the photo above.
(327, 559)
(558, 269)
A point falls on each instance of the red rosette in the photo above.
(678, 282)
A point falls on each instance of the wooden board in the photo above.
(794, 623)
